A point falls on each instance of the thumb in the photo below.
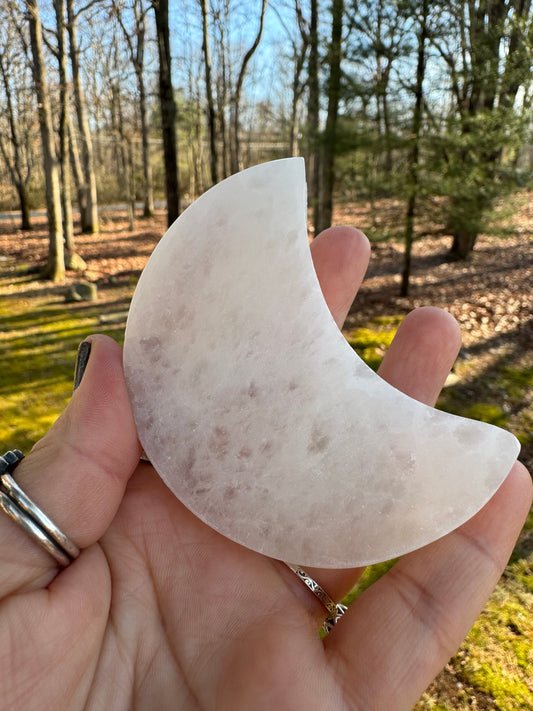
(78, 472)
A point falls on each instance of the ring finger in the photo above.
(417, 362)
(77, 473)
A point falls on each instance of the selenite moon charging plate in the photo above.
(260, 417)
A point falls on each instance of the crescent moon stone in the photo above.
(258, 414)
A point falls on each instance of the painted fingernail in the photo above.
(84, 351)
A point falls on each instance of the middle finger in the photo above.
(417, 363)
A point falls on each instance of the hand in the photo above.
(160, 612)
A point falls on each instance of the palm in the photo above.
(201, 613)
(161, 612)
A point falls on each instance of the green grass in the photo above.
(427, 704)
(39, 337)
(486, 412)
(370, 575)
(371, 342)
(38, 345)
(497, 657)
(503, 395)
(494, 667)
(516, 381)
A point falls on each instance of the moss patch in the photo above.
(487, 412)
(39, 336)
(497, 656)
(428, 703)
(38, 345)
(370, 575)
(496, 387)
(516, 382)
(371, 342)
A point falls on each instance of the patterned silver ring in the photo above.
(335, 609)
(18, 506)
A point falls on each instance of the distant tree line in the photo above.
(127, 99)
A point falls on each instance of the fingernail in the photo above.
(84, 351)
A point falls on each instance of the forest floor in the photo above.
(491, 295)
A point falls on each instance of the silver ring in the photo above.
(18, 506)
(335, 609)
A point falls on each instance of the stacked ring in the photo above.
(18, 506)
(335, 609)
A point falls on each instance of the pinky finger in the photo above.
(399, 633)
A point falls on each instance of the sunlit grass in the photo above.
(495, 662)
(38, 345)
(371, 342)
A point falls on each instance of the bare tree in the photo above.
(298, 84)
(122, 131)
(75, 162)
(422, 13)
(15, 145)
(73, 261)
(56, 260)
(223, 83)
(88, 198)
(299, 46)
(192, 124)
(168, 110)
(330, 134)
(135, 37)
(313, 125)
(236, 153)
(380, 41)
(71, 258)
(211, 113)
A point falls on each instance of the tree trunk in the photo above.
(495, 41)
(464, 240)
(125, 150)
(313, 124)
(383, 75)
(222, 104)
(90, 212)
(467, 211)
(130, 182)
(223, 81)
(18, 181)
(211, 115)
(168, 111)
(294, 128)
(14, 164)
(415, 151)
(236, 154)
(293, 132)
(64, 110)
(148, 189)
(68, 228)
(387, 129)
(25, 219)
(330, 135)
(136, 52)
(56, 260)
(298, 85)
(77, 172)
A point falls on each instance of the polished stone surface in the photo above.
(261, 418)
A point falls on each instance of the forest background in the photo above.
(414, 119)
(426, 102)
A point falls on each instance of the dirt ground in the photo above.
(491, 295)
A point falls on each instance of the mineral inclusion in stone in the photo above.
(258, 414)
